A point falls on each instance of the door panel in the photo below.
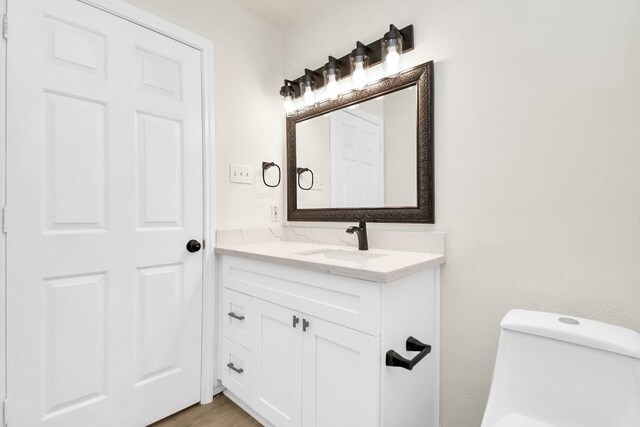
(340, 376)
(159, 74)
(104, 302)
(357, 160)
(75, 46)
(277, 365)
(159, 298)
(75, 317)
(160, 175)
(75, 163)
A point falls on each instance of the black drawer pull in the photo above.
(233, 368)
(394, 359)
(235, 316)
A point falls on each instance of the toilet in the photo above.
(560, 371)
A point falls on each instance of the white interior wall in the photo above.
(537, 152)
(249, 124)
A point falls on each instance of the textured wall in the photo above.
(537, 137)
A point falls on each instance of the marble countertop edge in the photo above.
(381, 270)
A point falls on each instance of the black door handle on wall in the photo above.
(394, 359)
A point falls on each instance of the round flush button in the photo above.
(568, 321)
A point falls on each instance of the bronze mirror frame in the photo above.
(422, 77)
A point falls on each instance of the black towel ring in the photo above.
(267, 165)
(300, 172)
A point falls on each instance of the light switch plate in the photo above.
(275, 214)
(239, 174)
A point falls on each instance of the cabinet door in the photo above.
(277, 364)
(340, 376)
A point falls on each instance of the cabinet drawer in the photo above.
(237, 317)
(350, 302)
(236, 369)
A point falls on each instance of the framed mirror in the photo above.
(367, 154)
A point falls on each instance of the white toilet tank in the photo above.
(562, 371)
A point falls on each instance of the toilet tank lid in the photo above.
(575, 330)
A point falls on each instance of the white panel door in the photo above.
(357, 160)
(277, 363)
(104, 183)
(340, 376)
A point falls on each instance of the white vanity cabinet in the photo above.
(305, 348)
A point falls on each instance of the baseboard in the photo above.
(247, 409)
(218, 390)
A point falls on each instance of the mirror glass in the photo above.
(361, 156)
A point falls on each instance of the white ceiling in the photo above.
(280, 12)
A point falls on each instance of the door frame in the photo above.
(209, 384)
(3, 193)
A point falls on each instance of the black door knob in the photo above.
(193, 246)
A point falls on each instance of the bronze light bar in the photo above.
(374, 52)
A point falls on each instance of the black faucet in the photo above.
(361, 232)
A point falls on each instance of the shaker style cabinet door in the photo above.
(277, 364)
(340, 376)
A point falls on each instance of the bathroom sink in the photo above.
(341, 255)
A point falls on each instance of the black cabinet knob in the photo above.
(193, 246)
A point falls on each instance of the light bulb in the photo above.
(392, 51)
(288, 105)
(359, 75)
(333, 88)
(309, 97)
(392, 61)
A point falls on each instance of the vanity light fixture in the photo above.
(359, 63)
(288, 92)
(392, 50)
(307, 88)
(331, 72)
(387, 50)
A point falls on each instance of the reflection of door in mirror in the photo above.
(362, 156)
(357, 159)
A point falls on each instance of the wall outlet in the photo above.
(239, 174)
(275, 214)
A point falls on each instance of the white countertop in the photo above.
(391, 265)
